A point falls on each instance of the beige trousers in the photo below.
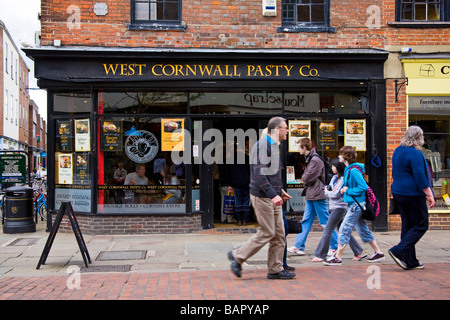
(270, 230)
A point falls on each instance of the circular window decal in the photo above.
(142, 146)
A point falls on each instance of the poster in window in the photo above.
(111, 135)
(65, 168)
(64, 135)
(355, 134)
(298, 129)
(172, 134)
(328, 135)
(82, 168)
(82, 135)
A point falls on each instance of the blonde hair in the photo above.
(413, 138)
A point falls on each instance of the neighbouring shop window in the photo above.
(136, 170)
(432, 114)
(305, 16)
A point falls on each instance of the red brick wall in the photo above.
(231, 23)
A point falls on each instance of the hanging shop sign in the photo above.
(298, 129)
(355, 134)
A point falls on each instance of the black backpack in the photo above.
(328, 171)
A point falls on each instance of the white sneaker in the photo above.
(331, 252)
(296, 250)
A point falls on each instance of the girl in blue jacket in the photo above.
(354, 188)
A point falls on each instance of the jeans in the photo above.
(242, 204)
(286, 232)
(352, 220)
(336, 216)
(314, 208)
(414, 215)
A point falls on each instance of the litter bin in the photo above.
(18, 210)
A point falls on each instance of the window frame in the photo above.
(443, 22)
(136, 24)
(300, 26)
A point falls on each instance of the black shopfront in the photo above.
(124, 110)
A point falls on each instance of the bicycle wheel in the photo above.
(43, 212)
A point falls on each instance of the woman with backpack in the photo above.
(338, 209)
(354, 191)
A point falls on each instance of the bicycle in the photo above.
(40, 204)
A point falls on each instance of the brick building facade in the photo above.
(337, 37)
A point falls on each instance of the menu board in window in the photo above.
(355, 134)
(82, 168)
(64, 134)
(82, 135)
(298, 129)
(172, 134)
(328, 135)
(111, 135)
(65, 168)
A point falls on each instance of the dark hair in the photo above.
(340, 166)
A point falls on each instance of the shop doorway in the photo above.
(216, 179)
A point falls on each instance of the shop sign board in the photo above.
(13, 168)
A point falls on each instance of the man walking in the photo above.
(266, 196)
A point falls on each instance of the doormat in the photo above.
(122, 255)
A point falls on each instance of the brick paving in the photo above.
(311, 283)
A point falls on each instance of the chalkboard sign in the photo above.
(65, 208)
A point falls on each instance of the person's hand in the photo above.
(285, 196)
(132, 182)
(431, 201)
(343, 190)
(277, 201)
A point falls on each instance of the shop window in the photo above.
(136, 170)
(306, 16)
(423, 10)
(432, 114)
(155, 14)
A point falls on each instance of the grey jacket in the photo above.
(313, 176)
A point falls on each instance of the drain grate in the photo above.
(122, 255)
(23, 242)
(116, 268)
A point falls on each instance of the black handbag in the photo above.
(393, 207)
(294, 226)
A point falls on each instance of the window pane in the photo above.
(420, 12)
(172, 11)
(433, 12)
(303, 14)
(407, 10)
(142, 11)
(317, 13)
